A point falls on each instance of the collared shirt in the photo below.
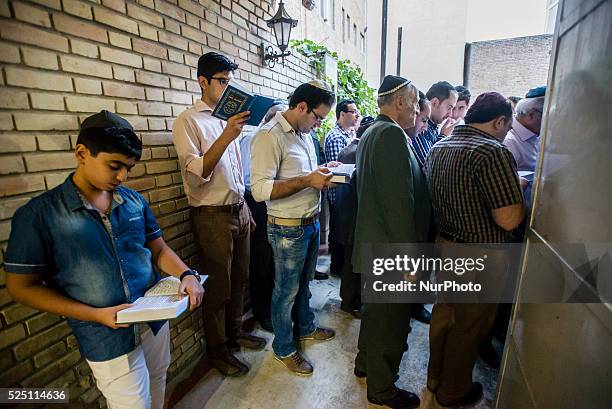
(471, 173)
(524, 145)
(97, 262)
(278, 152)
(423, 142)
(193, 133)
(336, 140)
(245, 155)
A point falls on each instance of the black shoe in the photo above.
(402, 400)
(319, 275)
(489, 354)
(266, 324)
(355, 313)
(421, 314)
(229, 365)
(473, 396)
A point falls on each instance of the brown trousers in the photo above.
(222, 240)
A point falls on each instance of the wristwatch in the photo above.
(190, 272)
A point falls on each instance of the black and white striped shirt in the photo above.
(470, 174)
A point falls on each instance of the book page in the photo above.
(346, 169)
(165, 286)
(161, 301)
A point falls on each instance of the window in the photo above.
(355, 35)
(348, 27)
(343, 27)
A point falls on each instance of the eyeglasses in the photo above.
(354, 112)
(222, 81)
(319, 118)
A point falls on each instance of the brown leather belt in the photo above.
(231, 208)
(281, 221)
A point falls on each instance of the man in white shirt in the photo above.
(284, 173)
(211, 168)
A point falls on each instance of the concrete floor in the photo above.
(269, 385)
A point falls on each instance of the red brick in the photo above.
(120, 40)
(120, 57)
(170, 10)
(176, 56)
(179, 70)
(84, 48)
(54, 4)
(148, 32)
(89, 104)
(9, 53)
(12, 98)
(53, 102)
(50, 161)
(87, 86)
(113, 19)
(171, 25)
(117, 5)
(30, 14)
(149, 48)
(157, 138)
(141, 184)
(53, 142)
(154, 109)
(21, 184)
(79, 28)
(11, 164)
(177, 97)
(151, 64)
(115, 89)
(192, 7)
(78, 9)
(193, 34)
(148, 78)
(54, 179)
(161, 167)
(86, 66)
(127, 107)
(154, 94)
(37, 79)
(39, 58)
(9, 207)
(145, 15)
(17, 142)
(45, 122)
(123, 74)
(173, 40)
(22, 33)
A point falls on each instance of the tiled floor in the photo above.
(270, 386)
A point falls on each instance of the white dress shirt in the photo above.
(193, 133)
(524, 145)
(278, 152)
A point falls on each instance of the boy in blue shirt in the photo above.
(86, 250)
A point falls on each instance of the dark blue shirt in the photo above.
(423, 142)
(57, 236)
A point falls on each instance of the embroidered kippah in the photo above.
(391, 84)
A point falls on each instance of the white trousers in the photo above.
(136, 380)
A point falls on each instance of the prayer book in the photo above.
(342, 173)
(160, 302)
(526, 175)
(236, 99)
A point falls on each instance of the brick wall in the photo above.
(510, 66)
(61, 60)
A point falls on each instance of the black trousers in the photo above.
(336, 249)
(261, 263)
(350, 284)
(383, 339)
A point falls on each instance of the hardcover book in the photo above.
(236, 99)
(342, 173)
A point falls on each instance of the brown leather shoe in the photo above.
(296, 363)
(248, 341)
(320, 334)
(229, 365)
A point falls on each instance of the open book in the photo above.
(160, 302)
(342, 173)
(236, 99)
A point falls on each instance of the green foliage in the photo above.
(351, 83)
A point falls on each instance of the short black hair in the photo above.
(343, 106)
(312, 95)
(440, 90)
(464, 94)
(111, 140)
(515, 99)
(422, 101)
(365, 124)
(213, 63)
(488, 106)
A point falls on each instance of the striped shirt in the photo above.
(471, 173)
(336, 140)
(423, 142)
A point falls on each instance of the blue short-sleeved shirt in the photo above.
(57, 236)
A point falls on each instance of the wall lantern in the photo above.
(281, 24)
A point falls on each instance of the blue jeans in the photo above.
(295, 258)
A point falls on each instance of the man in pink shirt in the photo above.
(211, 168)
